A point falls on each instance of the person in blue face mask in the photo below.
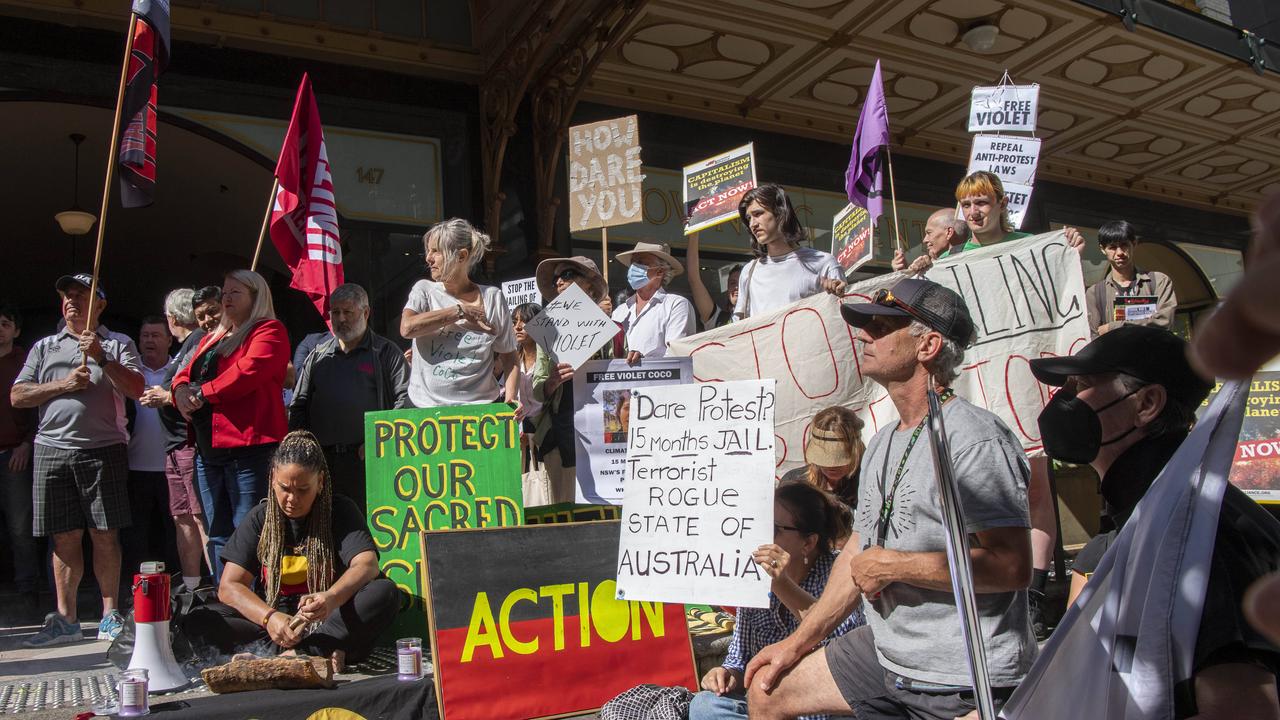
(652, 317)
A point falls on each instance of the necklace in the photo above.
(888, 498)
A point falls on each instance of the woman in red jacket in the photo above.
(231, 391)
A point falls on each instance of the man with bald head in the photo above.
(944, 235)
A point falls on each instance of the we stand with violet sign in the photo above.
(699, 494)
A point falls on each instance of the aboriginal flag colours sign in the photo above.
(304, 217)
(150, 55)
(525, 623)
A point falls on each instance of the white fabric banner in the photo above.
(1026, 299)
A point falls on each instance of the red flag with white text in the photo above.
(304, 216)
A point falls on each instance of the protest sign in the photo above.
(519, 292)
(851, 237)
(713, 187)
(1012, 159)
(1019, 199)
(601, 413)
(1027, 301)
(571, 328)
(1004, 108)
(605, 181)
(699, 494)
(1256, 469)
(436, 468)
(525, 623)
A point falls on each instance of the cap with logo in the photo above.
(84, 279)
(940, 308)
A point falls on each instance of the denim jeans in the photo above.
(707, 705)
(230, 485)
(15, 503)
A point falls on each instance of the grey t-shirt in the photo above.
(917, 631)
(90, 418)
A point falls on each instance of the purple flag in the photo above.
(864, 180)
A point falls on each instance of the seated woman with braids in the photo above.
(301, 553)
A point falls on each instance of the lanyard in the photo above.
(888, 498)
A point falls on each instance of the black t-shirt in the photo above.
(350, 538)
(174, 425)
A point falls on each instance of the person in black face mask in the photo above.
(1127, 401)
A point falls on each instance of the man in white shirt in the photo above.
(152, 535)
(652, 317)
(783, 271)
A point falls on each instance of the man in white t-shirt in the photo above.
(652, 317)
(152, 535)
(783, 271)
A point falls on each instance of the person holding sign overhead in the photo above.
(457, 327)
(652, 316)
(1127, 295)
(783, 271)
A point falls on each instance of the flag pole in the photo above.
(112, 149)
(893, 196)
(604, 254)
(266, 222)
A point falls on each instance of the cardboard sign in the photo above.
(851, 237)
(525, 624)
(601, 415)
(1027, 301)
(1256, 467)
(699, 494)
(1012, 159)
(437, 468)
(1019, 200)
(571, 328)
(519, 292)
(605, 181)
(1004, 108)
(713, 187)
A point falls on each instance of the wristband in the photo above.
(267, 618)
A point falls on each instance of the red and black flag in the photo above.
(149, 58)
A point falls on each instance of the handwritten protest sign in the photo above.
(571, 328)
(605, 181)
(851, 237)
(1010, 108)
(601, 413)
(436, 468)
(699, 495)
(1026, 298)
(519, 292)
(713, 187)
(1012, 159)
(525, 623)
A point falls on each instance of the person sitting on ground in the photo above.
(301, 571)
(806, 525)
(833, 456)
(943, 233)
(1127, 295)
(652, 317)
(711, 314)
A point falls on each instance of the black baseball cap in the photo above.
(84, 279)
(941, 308)
(1151, 354)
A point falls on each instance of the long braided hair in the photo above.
(300, 448)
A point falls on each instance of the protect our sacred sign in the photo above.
(1004, 108)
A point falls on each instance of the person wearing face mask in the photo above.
(652, 317)
(1127, 401)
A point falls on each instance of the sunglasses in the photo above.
(568, 275)
(885, 297)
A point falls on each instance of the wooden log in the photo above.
(281, 673)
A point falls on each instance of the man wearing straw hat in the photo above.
(652, 317)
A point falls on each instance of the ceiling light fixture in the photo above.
(76, 221)
(981, 38)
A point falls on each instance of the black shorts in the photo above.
(75, 489)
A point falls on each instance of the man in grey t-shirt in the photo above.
(910, 661)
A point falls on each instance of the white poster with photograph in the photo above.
(1012, 159)
(571, 328)
(1005, 108)
(699, 494)
(601, 404)
(519, 292)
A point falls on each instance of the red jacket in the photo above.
(246, 396)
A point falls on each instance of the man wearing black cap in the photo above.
(1127, 401)
(909, 661)
(79, 379)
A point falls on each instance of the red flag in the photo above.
(304, 218)
(137, 151)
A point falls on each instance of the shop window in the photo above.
(1222, 266)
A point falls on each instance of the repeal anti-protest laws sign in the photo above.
(1012, 159)
(437, 468)
(1000, 109)
(601, 417)
(605, 182)
(851, 237)
(699, 493)
(571, 328)
(526, 623)
(713, 187)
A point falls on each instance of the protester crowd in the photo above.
(197, 459)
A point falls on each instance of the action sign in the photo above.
(1004, 108)
(851, 237)
(525, 623)
(605, 182)
(519, 292)
(572, 327)
(1012, 159)
(436, 468)
(699, 495)
(713, 187)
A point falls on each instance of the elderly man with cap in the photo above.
(79, 379)
(909, 661)
(1126, 402)
(652, 317)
